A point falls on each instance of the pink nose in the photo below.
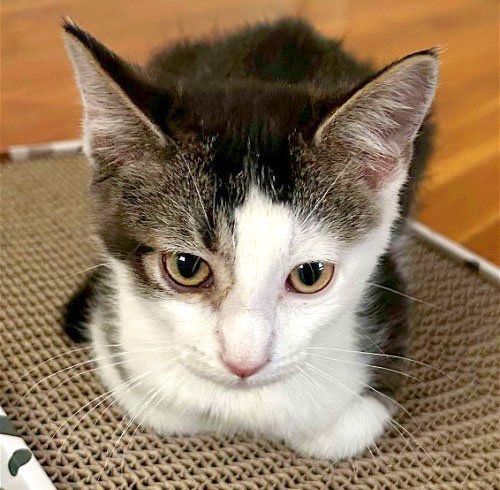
(243, 370)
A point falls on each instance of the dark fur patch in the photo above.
(384, 316)
(79, 308)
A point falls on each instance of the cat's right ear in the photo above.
(117, 102)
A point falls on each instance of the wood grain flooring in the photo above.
(461, 195)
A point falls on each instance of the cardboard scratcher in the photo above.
(448, 438)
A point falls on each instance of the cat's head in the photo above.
(244, 219)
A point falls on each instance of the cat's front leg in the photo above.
(358, 426)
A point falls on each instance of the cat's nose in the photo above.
(243, 370)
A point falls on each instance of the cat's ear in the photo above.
(376, 127)
(117, 102)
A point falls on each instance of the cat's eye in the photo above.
(187, 270)
(310, 277)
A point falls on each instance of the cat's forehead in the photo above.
(271, 236)
(202, 196)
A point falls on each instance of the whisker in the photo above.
(338, 382)
(391, 400)
(122, 463)
(83, 271)
(394, 424)
(407, 296)
(80, 349)
(325, 375)
(390, 356)
(155, 390)
(136, 429)
(374, 366)
(344, 386)
(82, 363)
(115, 400)
(380, 454)
(87, 371)
(373, 458)
(57, 279)
(132, 383)
(307, 375)
(387, 397)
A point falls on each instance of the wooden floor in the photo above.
(461, 196)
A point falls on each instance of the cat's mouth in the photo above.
(274, 372)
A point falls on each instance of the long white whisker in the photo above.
(82, 363)
(148, 401)
(98, 368)
(83, 271)
(365, 385)
(407, 296)
(307, 375)
(81, 349)
(344, 386)
(135, 430)
(155, 391)
(374, 366)
(130, 384)
(395, 424)
(340, 383)
(390, 356)
(106, 394)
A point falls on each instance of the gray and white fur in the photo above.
(255, 153)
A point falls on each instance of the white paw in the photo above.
(355, 429)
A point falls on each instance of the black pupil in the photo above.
(188, 265)
(309, 273)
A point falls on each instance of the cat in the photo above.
(249, 193)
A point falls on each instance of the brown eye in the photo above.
(310, 277)
(187, 270)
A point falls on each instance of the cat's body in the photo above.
(256, 152)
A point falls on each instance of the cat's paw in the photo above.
(356, 429)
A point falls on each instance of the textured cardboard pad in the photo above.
(449, 439)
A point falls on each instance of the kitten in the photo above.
(249, 193)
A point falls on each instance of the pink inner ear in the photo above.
(378, 171)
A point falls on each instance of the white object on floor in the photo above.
(19, 469)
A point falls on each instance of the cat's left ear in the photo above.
(118, 102)
(376, 127)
